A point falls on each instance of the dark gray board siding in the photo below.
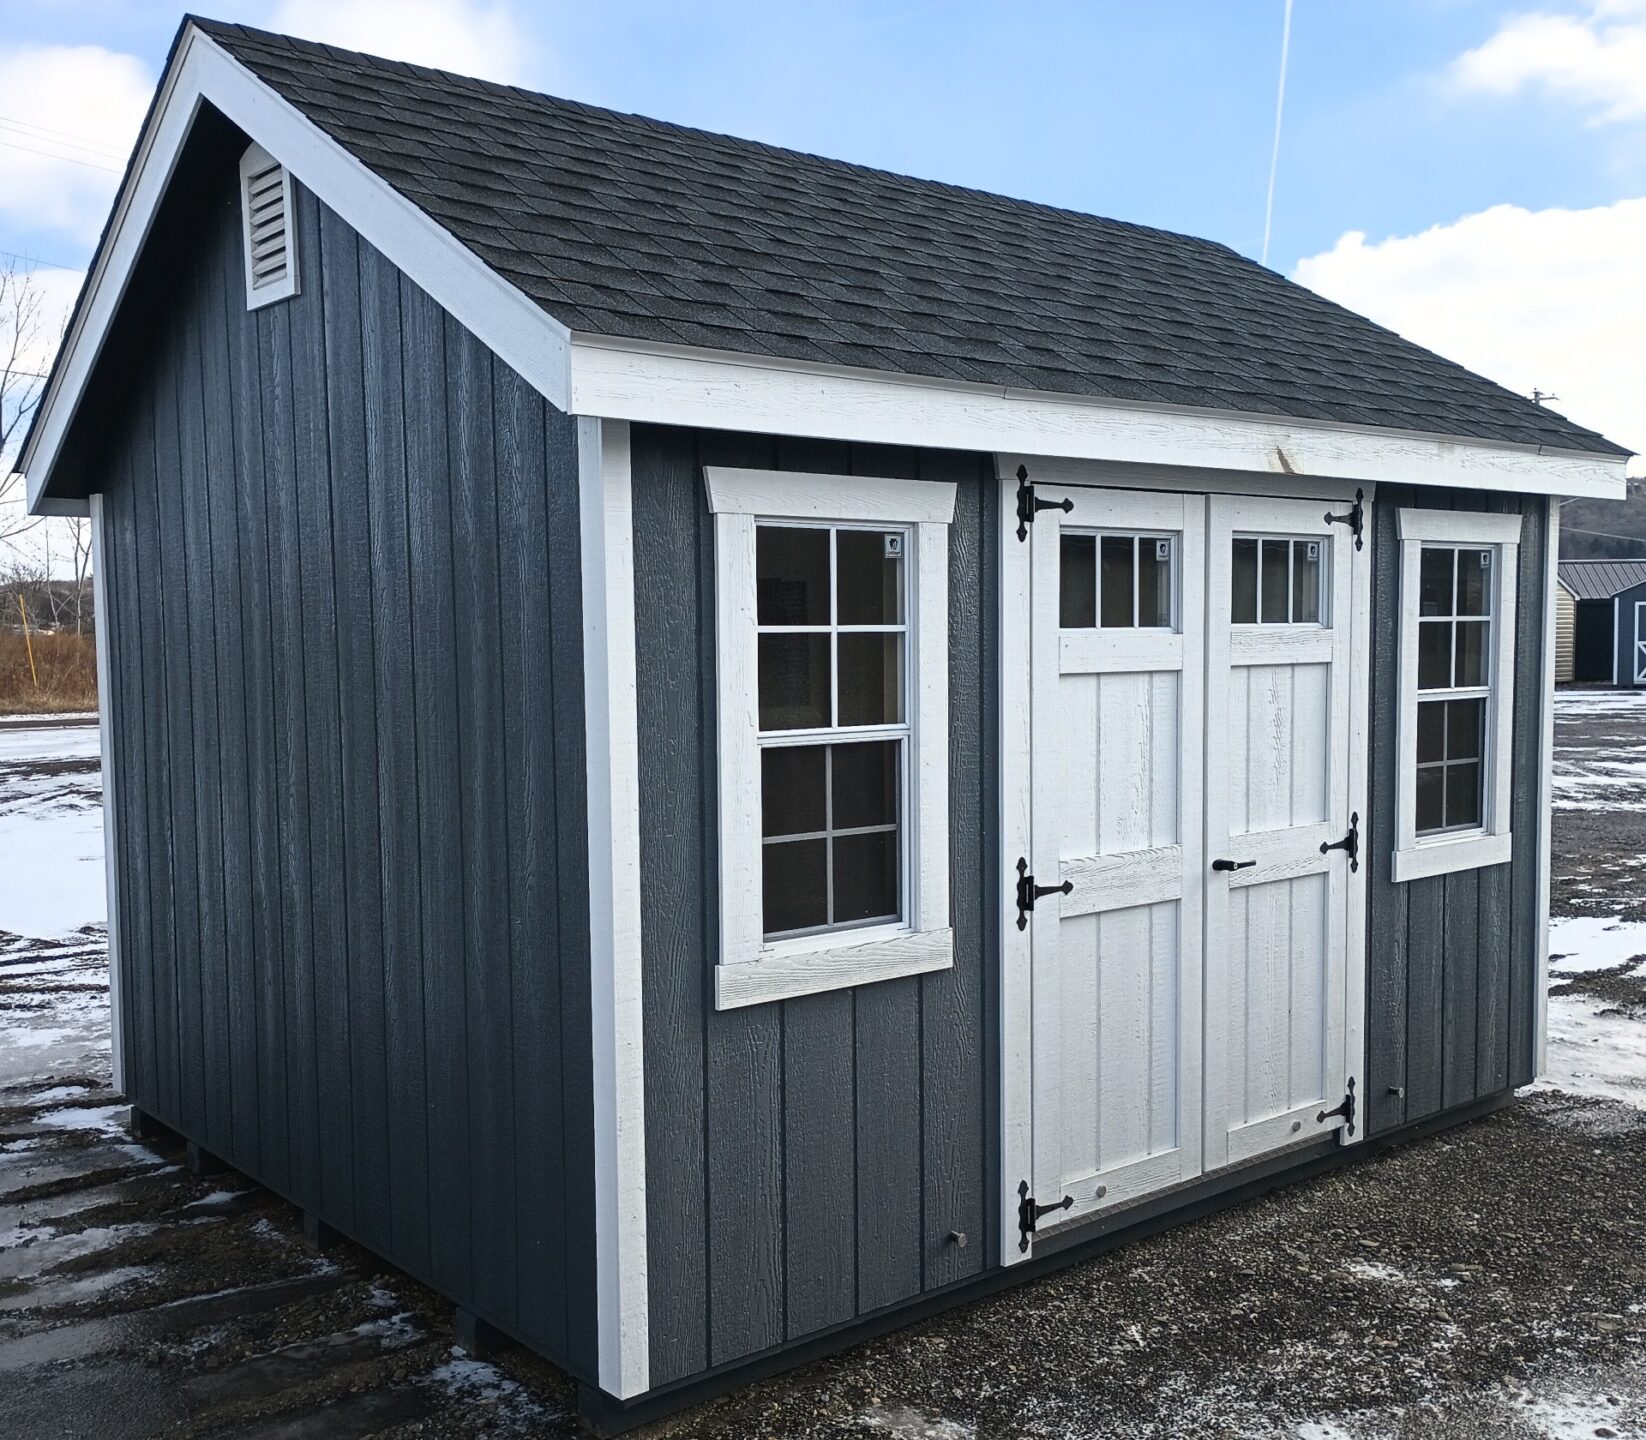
(808, 1160)
(346, 691)
(1629, 659)
(1452, 968)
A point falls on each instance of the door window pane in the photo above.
(794, 885)
(1306, 582)
(1077, 582)
(1434, 582)
(791, 575)
(1154, 581)
(1243, 571)
(865, 877)
(794, 681)
(865, 784)
(870, 579)
(1276, 583)
(871, 679)
(1117, 579)
(793, 798)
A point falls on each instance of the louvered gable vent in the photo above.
(266, 214)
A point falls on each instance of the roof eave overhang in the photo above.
(640, 381)
(679, 385)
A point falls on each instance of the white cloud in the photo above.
(472, 37)
(1552, 299)
(1596, 61)
(69, 115)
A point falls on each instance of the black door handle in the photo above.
(1233, 864)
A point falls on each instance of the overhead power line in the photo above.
(46, 132)
(56, 155)
(1604, 535)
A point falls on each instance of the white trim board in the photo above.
(614, 906)
(677, 385)
(1545, 791)
(102, 621)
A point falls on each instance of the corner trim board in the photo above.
(606, 521)
(1545, 790)
(101, 621)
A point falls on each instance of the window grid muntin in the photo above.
(1486, 621)
(1171, 538)
(1322, 617)
(828, 737)
(1447, 764)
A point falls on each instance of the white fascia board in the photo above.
(678, 385)
(518, 330)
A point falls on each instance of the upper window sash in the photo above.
(751, 968)
(1488, 676)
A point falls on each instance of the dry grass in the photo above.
(67, 669)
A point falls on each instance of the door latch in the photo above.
(1233, 864)
(1349, 844)
(1028, 892)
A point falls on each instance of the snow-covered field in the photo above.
(51, 832)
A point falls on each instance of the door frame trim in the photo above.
(1015, 777)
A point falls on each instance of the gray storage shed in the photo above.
(1609, 620)
(709, 749)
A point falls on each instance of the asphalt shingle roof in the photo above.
(627, 227)
(1601, 579)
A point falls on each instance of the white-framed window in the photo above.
(1457, 674)
(831, 625)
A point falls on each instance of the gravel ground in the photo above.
(137, 1299)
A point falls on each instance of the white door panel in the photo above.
(1117, 726)
(1279, 708)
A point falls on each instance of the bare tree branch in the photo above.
(22, 309)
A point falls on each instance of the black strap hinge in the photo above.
(1355, 520)
(1346, 1110)
(1029, 504)
(1029, 1213)
(1349, 844)
(1028, 892)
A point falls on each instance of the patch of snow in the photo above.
(1573, 1416)
(108, 1119)
(1582, 943)
(1595, 1050)
(1372, 1270)
(474, 1382)
(53, 880)
(30, 745)
(907, 1424)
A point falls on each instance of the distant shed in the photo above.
(1608, 599)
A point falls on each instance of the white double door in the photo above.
(1191, 770)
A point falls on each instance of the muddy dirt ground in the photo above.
(1490, 1281)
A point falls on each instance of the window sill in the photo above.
(1443, 857)
(783, 974)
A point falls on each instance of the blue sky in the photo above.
(1470, 172)
(1160, 113)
